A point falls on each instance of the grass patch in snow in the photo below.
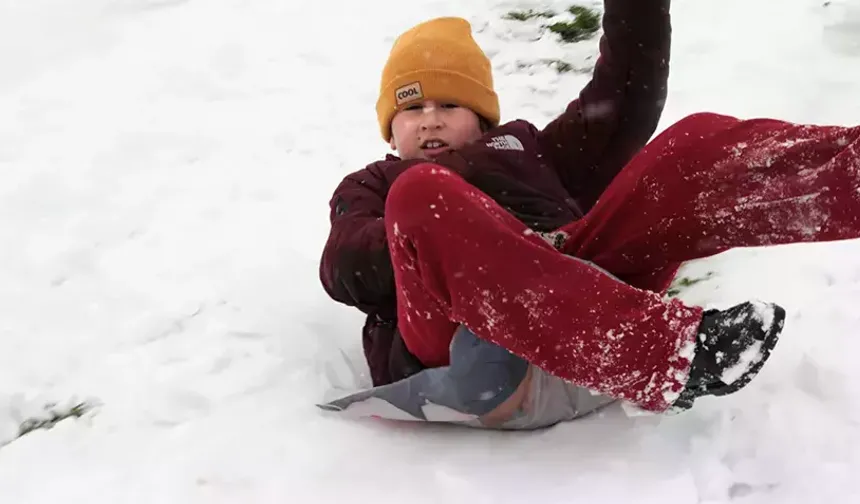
(525, 15)
(53, 415)
(682, 283)
(585, 24)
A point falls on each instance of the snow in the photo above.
(165, 169)
(765, 313)
(748, 358)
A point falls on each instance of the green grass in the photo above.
(525, 15)
(53, 417)
(680, 284)
(585, 25)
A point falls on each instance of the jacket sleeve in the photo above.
(355, 268)
(618, 111)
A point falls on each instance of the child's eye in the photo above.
(450, 105)
(417, 106)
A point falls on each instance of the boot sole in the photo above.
(767, 345)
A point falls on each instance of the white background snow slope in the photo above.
(165, 169)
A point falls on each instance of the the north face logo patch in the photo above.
(507, 142)
(408, 93)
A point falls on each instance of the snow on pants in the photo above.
(706, 184)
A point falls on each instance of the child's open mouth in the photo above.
(433, 147)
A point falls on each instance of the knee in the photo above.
(421, 186)
(686, 138)
(701, 122)
(699, 117)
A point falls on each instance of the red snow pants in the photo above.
(706, 184)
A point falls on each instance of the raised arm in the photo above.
(618, 111)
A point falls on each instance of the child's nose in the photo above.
(431, 118)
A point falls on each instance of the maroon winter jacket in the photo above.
(581, 151)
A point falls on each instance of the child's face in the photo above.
(429, 128)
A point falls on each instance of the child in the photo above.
(555, 244)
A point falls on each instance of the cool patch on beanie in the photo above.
(408, 93)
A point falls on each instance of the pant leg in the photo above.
(712, 182)
(459, 258)
(657, 280)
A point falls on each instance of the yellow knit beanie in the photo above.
(437, 60)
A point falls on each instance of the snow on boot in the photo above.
(731, 349)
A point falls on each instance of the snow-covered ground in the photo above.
(165, 168)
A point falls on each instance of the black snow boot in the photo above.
(731, 348)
